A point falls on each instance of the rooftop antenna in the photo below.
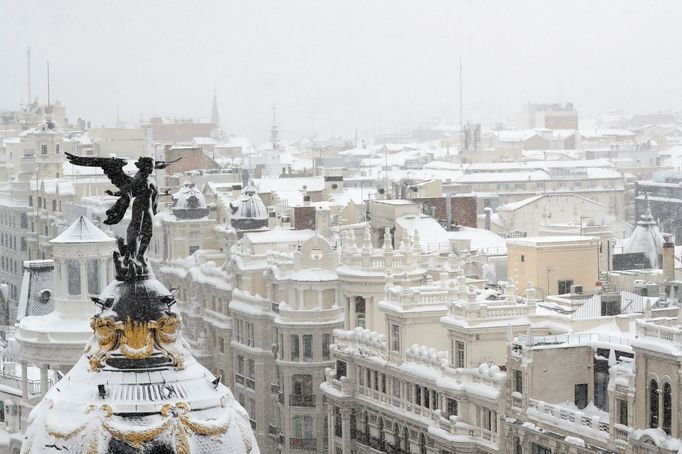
(461, 109)
(48, 83)
(28, 75)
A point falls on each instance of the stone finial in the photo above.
(647, 309)
(388, 241)
(367, 240)
(416, 242)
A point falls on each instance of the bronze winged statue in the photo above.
(143, 192)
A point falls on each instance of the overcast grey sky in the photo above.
(337, 66)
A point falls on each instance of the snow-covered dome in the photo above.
(189, 202)
(249, 212)
(646, 239)
(250, 205)
(138, 389)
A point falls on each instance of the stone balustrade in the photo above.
(563, 418)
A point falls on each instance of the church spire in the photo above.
(215, 117)
(274, 132)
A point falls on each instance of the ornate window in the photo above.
(667, 408)
(653, 403)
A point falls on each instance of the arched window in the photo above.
(396, 438)
(365, 424)
(667, 408)
(422, 444)
(382, 437)
(406, 440)
(653, 403)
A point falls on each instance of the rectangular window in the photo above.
(396, 387)
(294, 347)
(418, 395)
(623, 412)
(54, 205)
(518, 381)
(43, 149)
(376, 381)
(395, 338)
(221, 343)
(581, 395)
(451, 407)
(240, 365)
(487, 419)
(252, 369)
(73, 272)
(325, 347)
(93, 277)
(383, 383)
(307, 347)
(341, 370)
(565, 286)
(361, 374)
(459, 354)
(538, 449)
(56, 148)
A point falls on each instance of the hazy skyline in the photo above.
(334, 67)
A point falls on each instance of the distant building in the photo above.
(550, 116)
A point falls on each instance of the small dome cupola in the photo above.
(189, 202)
(249, 212)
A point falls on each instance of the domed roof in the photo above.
(250, 205)
(137, 388)
(82, 231)
(646, 238)
(189, 202)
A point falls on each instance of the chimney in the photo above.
(236, 191)
(668, 259)
(488, 215)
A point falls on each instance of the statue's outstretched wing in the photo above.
(113, 167)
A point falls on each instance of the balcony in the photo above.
(250, 383)
(274, 388)
(307, 444)
(303, 400)
(273, 431)
(239, 379)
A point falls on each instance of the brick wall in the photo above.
(303, 218)
(463, 209)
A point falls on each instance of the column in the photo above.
(103, 275)
(301, 299)
(330, 428)
(24, 379)
(345, 429)
(660, 405)
(84, 277)
(320, 299)
(43, 379)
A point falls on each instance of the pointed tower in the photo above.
(215, 117)
(274, 131)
